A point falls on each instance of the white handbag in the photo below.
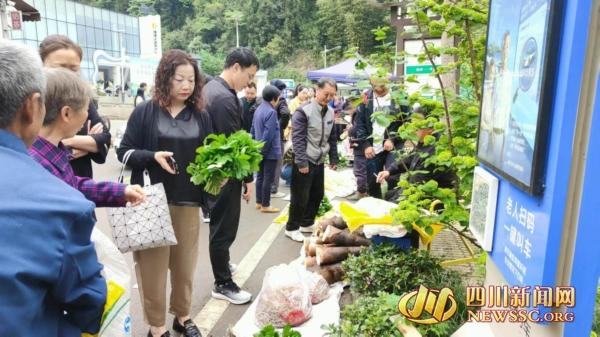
(147, 225)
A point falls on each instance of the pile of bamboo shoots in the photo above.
(329, 246)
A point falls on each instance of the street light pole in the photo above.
(325, 50)
(237, 32)
(5, 34)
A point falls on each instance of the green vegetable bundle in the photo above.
(324, 207)
(221, 158)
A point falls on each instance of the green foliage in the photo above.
(270, 331)
(453, 118)
(137, 7)
(222, 157)
(324, 207)
(596, 322)
(385, 268)
(368, 317)
(211, 63)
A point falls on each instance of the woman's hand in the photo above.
(135, 194)
(382, 176)
(162, 158)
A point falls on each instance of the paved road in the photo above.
(252, 226)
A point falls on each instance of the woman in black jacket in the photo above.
(164, 134)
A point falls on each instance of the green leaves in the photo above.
(221, 158)
(379, 277)
(270, 331)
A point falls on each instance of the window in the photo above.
(89, 15)
(89, 35)
(61, 9)
(80, 14)
(81, 38)
(107, 40)
(136, 45)
(41, 7)
(99, 38)
(51, 9)
(16, 34)
(97, 17)
(70, 11)
(62, 28)
(42, 32)
(52, 29)
(106, 19)
(72, 32)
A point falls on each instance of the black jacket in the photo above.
(248, 113)
(362, 129)
(83, 166)
(141, 135)
(416, 162)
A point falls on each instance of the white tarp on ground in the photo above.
(324, 313)
(339, 184)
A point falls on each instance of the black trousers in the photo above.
(375, 165)
(224, 223)
(264, 180)
(307, 194)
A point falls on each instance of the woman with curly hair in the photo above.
(164, 133)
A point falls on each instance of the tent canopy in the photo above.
(344, 72)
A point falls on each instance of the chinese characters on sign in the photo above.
(519, 227)
(15, 18)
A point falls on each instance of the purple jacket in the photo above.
(265, 128)
(56, 160)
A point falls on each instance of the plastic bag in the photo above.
(284, 298)
(318, 288)
(116, 319)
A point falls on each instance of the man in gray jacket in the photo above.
(312, 139)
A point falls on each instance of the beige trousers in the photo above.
(152, 265)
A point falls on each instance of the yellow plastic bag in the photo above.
(116, 318)
(355, 217)
(114, 293)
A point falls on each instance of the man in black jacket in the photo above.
(225, 110)
(375, 143)
(249, 105)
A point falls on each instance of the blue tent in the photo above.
(344, 72)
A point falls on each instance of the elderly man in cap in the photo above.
(50, 282)
(375, 143)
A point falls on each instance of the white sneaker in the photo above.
(230, 291)
(295, 235)
(232, 268)
(287, 197)
(308, 229)
(277, 195)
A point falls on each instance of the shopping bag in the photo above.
(147, 225)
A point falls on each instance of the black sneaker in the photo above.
(230, 291)
(188, 329)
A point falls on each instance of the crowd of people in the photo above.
(50, 131)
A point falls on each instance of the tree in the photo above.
(141, 7)
(452, 117)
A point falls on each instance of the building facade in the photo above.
(112, 42)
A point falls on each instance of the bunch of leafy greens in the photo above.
(324, 207)
(270, 331)
(368, 317)
(222, 157)
(386, 268)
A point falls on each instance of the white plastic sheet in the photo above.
(326, 312)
